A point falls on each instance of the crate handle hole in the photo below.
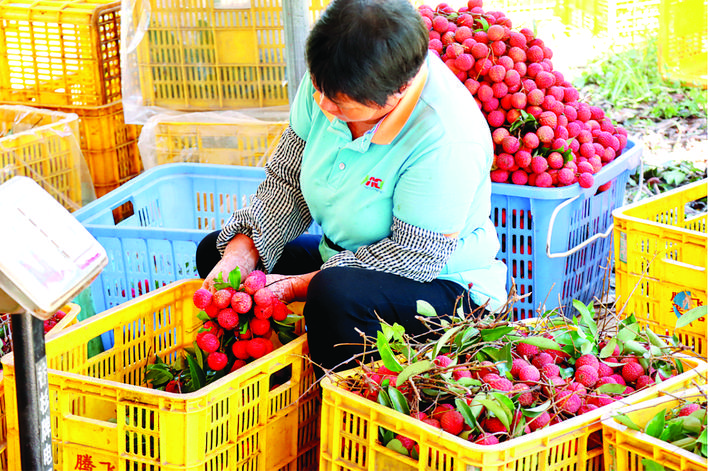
(123, 212)
(280, 377)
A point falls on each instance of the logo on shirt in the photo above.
(373, 182)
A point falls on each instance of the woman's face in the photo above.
(350, 111)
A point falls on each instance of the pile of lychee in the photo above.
(542, 387)
(544, 134)
(238, 322)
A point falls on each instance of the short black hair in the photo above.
(366, 49)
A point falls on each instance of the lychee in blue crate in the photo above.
(151, 226)
(556, 242)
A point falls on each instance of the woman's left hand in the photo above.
(289, 288)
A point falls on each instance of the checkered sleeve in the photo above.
(410, 252)
(277, 213)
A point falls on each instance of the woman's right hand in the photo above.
(240, 252)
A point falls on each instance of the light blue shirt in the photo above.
(427, 163)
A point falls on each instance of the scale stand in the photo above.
(46, 258)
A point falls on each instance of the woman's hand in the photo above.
(289, 288)
(240, 252)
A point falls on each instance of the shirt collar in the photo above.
(388, 128)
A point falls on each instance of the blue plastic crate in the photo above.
(151, 226)
(552, 238)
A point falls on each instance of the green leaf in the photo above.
(393, 332)
(654, 339)
(537, 410)
(466, 411)
(386, 435)
(608, 349)
(468, 334)
(444, 339)
(414, 369)
(672, 431)
(611, 388)
(286, 336)
(656, 425)
(424, 308)
(586, 347)
(476, 406)
(690, 316)
(692, 425)
(397, 446)
(389, 360)
(586, 314)
(492, 335)
(398, 401)
(504, 400)
(627, 333)
(499, 411)
(203, 316)
(383, 399)
(196, 374)
(485, 23)
(289, 320)
(235, 278)
(626, 421)
(635, 347)
(651, 465)
(541, 342)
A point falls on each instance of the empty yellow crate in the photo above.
(350, 429)
(72, 311)
(217, 141)
(660, 252)
(43, 145)
(624, 448)
(60, 53)
(264, 416)
(683, 50)
(210, 55)
(626, 23)
(109, 146)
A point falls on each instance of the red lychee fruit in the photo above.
(604, 370)
(688, 409)
(550, 370)
(241, 302)
(433, 422)
(258, 347)
(227, 318)
(493, 425)
(529, 374)
(516, 366)
(568, 401)
(541, 359)
(452, 422)
(632, 371)
(239, 349)
(217, 361)
(486, 439)
(526, 397)
(443, 361)
(208, 342)
(254, 281)
(588, 359)
(280, 311)
(202, 298)
(263, 297)
(221, 298)
(407, 442)
(259, 327)
(644, 381)
(526, 350)
(539, 421)
(586, 375)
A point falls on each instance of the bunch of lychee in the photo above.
(544, 134)
(238, 322)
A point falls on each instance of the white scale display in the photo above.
(46, 256)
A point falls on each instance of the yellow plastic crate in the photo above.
(624, 448)
(109, 145)
(683, 50)
(350, 430)
(211, 54)
(43, 145)
(60, 53)
(72, 311)
(626, 23)
(660, 251)
(102, 412)
(227, 141)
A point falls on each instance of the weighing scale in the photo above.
(46, 258)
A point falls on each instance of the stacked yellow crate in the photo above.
(65, 56)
